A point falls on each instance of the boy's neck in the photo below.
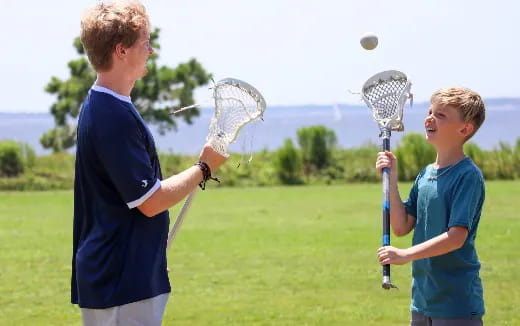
(449, 156)
(115, 82)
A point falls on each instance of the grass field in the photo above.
(256, 256)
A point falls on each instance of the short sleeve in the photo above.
(410, 204)
(121, 147)
(466, 200)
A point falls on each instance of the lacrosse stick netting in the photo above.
(385, 95)
(236, 104)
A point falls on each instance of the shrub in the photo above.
(516, 158)
(358, 164)
(288, 163)
(413, 154)
(475, 153)
(504, 156)
(15, 158)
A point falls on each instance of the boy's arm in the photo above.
(176, 187)
(442, 244)
(171, 191)
(402, 222)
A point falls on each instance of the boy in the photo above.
(443, 209)
(119, 270)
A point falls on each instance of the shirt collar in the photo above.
(102, 89)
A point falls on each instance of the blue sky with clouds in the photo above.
(295, 52)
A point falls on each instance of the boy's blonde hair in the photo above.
(469, 104)
(104, 25)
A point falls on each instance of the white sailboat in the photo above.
(336, 113)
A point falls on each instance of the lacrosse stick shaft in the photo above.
(385, 94)
(386, 284)
(180, 217)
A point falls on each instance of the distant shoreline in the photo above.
(352, 124)
(499, 103)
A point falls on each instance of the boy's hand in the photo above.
(392, 255)
(387, 160)
(212, 158)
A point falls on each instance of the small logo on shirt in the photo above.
(144, 183)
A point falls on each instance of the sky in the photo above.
(296, 52)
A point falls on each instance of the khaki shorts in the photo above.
(147, 312)
(423, 320)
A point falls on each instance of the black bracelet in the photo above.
(206, 174)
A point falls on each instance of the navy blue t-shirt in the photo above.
(119, 254)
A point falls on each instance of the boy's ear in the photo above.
(120, 50)
(468, 129)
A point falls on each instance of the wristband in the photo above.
(206, 174)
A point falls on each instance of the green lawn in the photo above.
(256, 256)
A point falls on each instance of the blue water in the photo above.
(353, 126)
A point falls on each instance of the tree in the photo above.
(154, 96)
(317, 144)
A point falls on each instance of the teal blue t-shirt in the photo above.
(447, 286)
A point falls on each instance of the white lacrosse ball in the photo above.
(368, 41)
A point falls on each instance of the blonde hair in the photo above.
(468, 103)
(105, 25)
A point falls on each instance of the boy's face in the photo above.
(138, 55)
(444, 126)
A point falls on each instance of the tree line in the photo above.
(314, 158)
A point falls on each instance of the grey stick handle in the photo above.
(180, 217)
(386, 283)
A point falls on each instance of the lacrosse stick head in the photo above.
(236, 104)
(385, 94)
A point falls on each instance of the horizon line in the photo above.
(344, 104)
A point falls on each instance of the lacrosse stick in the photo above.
(385, 95)
(236, 104)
